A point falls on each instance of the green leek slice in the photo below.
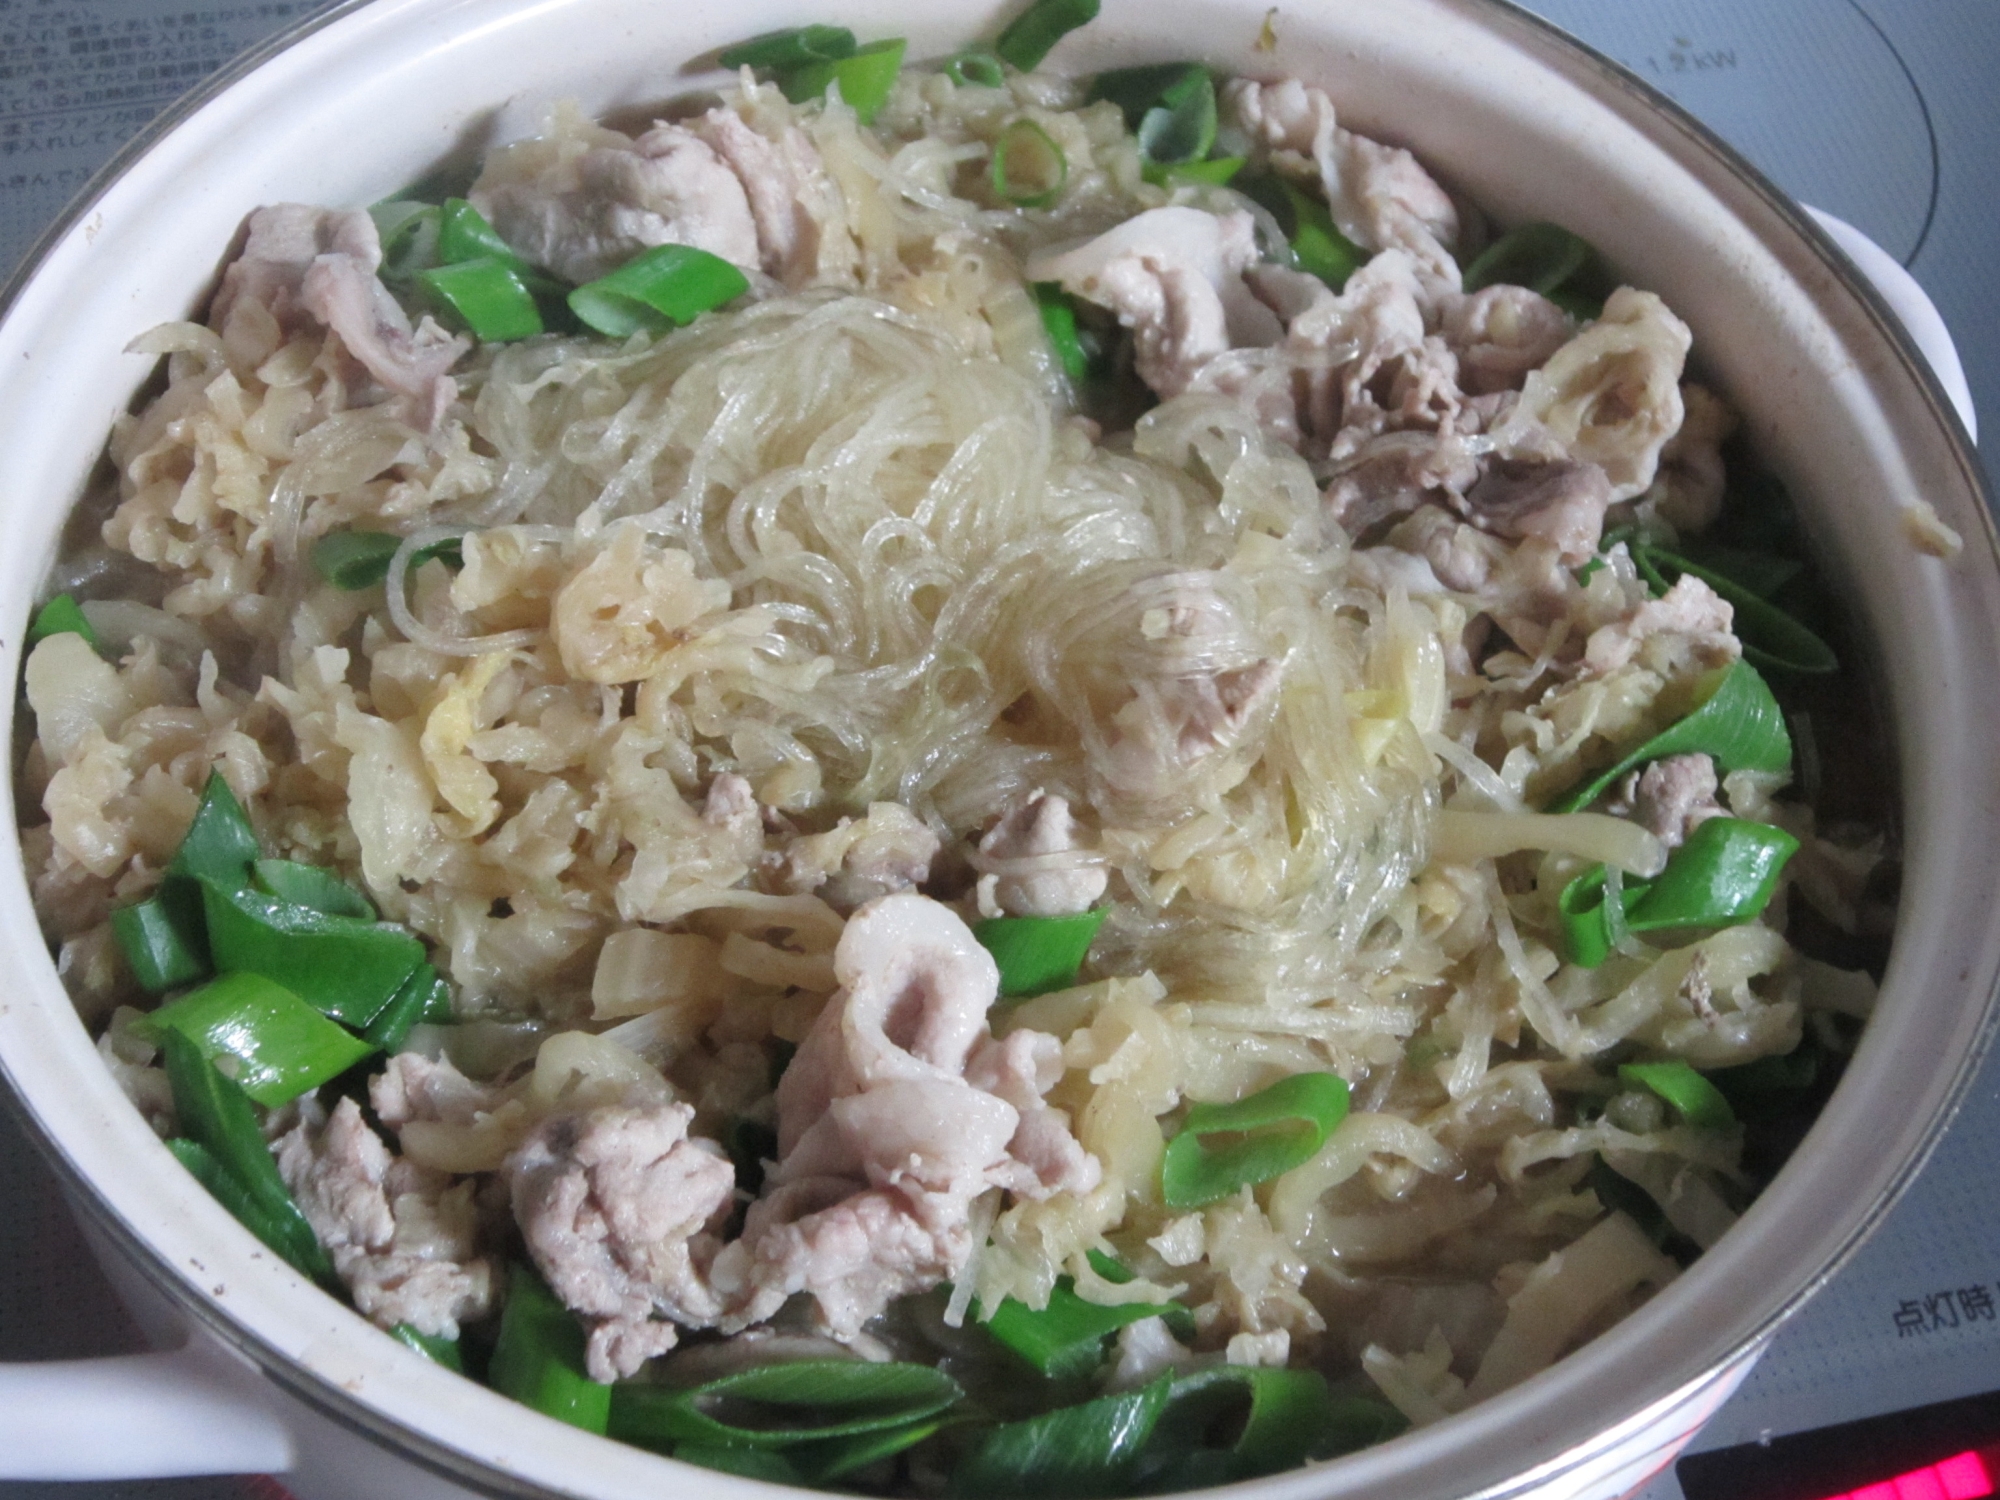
(1262, 1137)
(1738, 723)
(666, 287)
(282, 1046)
(1030, 36)
(539, 1359)
(1039, 954)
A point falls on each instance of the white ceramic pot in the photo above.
(279, 1376)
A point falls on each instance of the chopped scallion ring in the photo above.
(975, 67)
(1029, 168)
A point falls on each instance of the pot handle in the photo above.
(193, 1410)
(1919, 315)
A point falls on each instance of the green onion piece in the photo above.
(1030, 35)
(539, 1357)
(1215, 172)
(774, 1406)
(1762, 573)
(793, 48)
(1138, 90)
(464, 234)
(822, 1463)
(1181, 128)
(1580, 909)
(1724, 875)
(1770, 637)
(438, 1350)
(1320, 249)
(287, 1234)
(1357, 1422)
(354, 560)
(217, 1116)
(410, 1004)
(1268, 1134)
(220, 844)
(1620, 1194)
(666, 286)
(975, 67)
(1770, 1085)
(747, 1463)
(1699, 1102)
(486, 297)
(1029, 168)
(164, 938)
(345, 967)
(1071, 1453)
(1279, 1418)
(409, 234)
(282, 1045)
(865, 79)
(1738, 723)
(1039, 954)
(1059, 321)
(1583, 306)
(439, 1007)
(310, 885)
(62, 615)
(1065, 1339)
(1541, 257)
(162, 947)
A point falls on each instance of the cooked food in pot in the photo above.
(952, 780)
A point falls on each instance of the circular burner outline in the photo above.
(1930, 128)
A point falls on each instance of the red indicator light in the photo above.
(1963, 1476)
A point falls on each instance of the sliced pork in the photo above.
(1200, 686)
(1672, 797)
(621, 1210)
(858, 859)
(1174, 276)
(1557, 501)
(403, 1240)
(885, 1132)
(1036, 863)
(583, 200)
(305, 266)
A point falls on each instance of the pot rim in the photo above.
(1582, 67)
